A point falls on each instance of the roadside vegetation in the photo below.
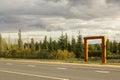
(61, 49)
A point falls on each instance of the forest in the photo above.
(56, 49)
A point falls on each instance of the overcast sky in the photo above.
(39, 17)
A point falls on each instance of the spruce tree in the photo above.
(111, 46)
(55, 45)
(32, 46)
(61, 42)
(115, 46)
(79, 46)
(50, 44)
(73, 45)
(69, 48)
(66, 41)
(0, 43)
(45, 43)
(20, 42)
(37, 46)
(26, 46)
(119, 47)
(40, 46)
(108, 45)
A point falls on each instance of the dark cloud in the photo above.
(37, 7)
(82, 9)
(113, 1)
(79, 2)
(53, 1)
(9, 19)
(27, 14)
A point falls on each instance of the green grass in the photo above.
(77, 61)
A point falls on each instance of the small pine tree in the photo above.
(108, 45)
(20, 42)
(114, 46)
(55, 45)
(40, 46)
(119, 47)
(32, 45)
(66, 41)
(37, 46)
(73, 45)
(79, 46)
(61, 42)
(0, 42)
(50, 44)
(69, 47)
(45, 43)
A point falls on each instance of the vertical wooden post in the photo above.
(104, 50)
(86, 50)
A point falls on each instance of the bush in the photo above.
(5, 54)
(94, 53)
(13, 53)
(64, 54)
(43, 54)
(53, 55)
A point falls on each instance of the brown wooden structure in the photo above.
(103, 47)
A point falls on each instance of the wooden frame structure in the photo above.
(103, 47)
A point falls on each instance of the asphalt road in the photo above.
(16, 70)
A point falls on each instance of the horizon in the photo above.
(38, 36)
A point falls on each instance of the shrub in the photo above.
(43, 54)
(64, 54)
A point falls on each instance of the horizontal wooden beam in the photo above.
(94, 37)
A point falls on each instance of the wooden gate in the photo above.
(103, 47)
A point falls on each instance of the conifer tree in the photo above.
(40, 46)
(79, 46)
(69, 48)
(73, 45)
(61, 42)
(20, 42)
(37, 46)
(32, 45)
(115, 46)
(55, 45)
(119, 47)
(1, 43)
(66, 41)
(108, 45)
(50, 44)
(45, 43)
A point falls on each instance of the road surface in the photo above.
(18, 70)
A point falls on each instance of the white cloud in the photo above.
(91, 17)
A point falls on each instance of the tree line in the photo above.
(62, 48)
(46, 49)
